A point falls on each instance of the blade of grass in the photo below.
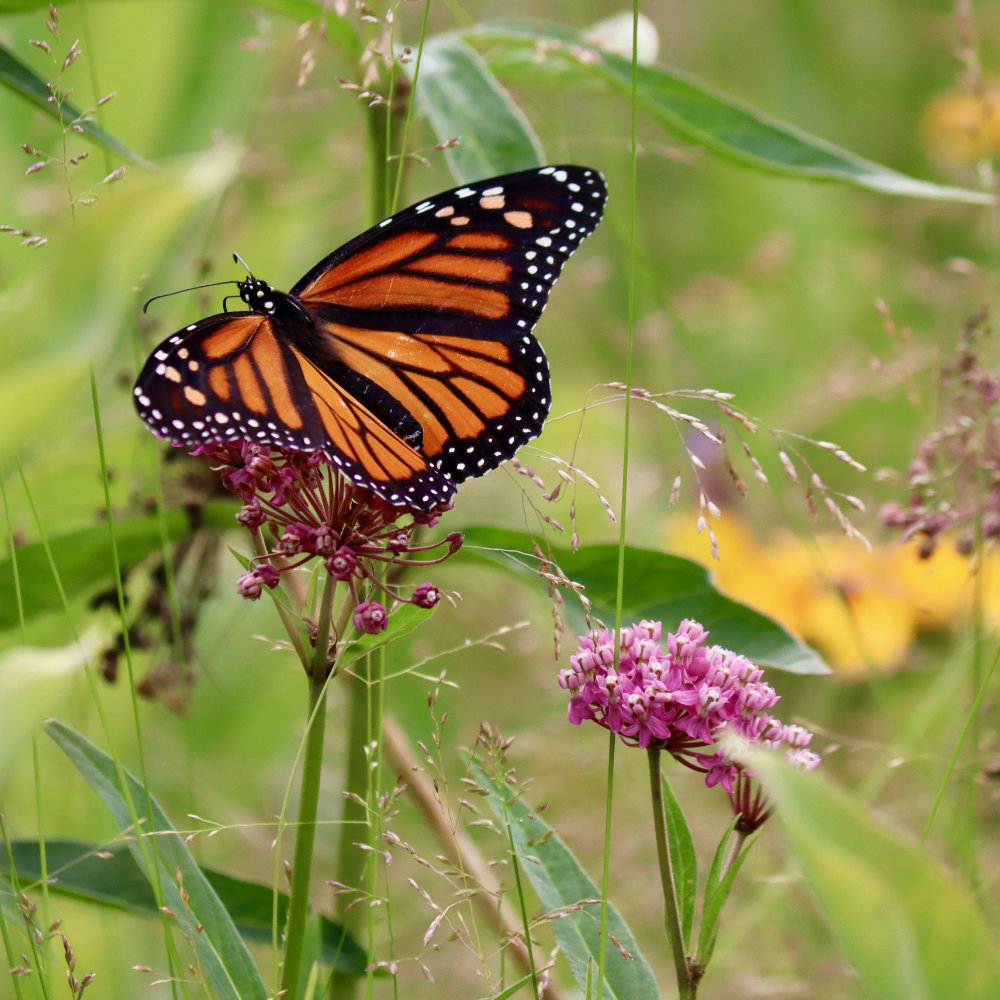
(197, 909)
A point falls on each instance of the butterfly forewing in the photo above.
(437, 304)
(406, 356)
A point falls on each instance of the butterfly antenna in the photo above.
(190, 288)
(240, 260)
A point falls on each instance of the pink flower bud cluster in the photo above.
(306, 510)
(675, 692)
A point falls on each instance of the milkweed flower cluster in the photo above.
(681, 695)
(954, 474)
(306, 510)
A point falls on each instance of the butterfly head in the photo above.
(259, 296)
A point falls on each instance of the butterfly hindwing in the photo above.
(406, 356)
(232, 377)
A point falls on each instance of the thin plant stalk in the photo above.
(376, 708)
(686, 990)
(319, 672)
(350, 861)
(623, 503)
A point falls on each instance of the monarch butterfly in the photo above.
(406, 356)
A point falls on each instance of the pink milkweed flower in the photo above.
(673, 692)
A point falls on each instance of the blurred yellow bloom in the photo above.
(862, 610)
(964, 127)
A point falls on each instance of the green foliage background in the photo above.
(753, 284)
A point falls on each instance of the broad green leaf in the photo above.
(201, 915)
(658, 586)
(107, 875)
(83, 558)
(683, 859)
(23, 80)
(908, 928)
(560, 884)
(462, 99)
(710, 118)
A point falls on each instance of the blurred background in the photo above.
(756, 285)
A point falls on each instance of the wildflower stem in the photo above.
(375, 662)
(350, 859)
(609, 798)
(312, 769)
(672, 915)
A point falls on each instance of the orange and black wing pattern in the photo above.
(233, 377)
(434, 309)
(406, 356)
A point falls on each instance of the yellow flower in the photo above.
(962, 127)
(863, 610)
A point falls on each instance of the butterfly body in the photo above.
(406, 356)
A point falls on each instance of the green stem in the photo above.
(375, 671)
(350, 869)
(312, 769)
(686, 990)
(305, 837)
(609, 798)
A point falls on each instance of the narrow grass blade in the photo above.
(200, 914)
(107, 875)
(562, 885)
(659, 586)
(463, 100)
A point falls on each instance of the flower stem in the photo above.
(305, 836)
(353, 821)
(686, 990)
(312, 770)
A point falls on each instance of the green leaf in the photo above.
(462, 99)
(107, 875)
(560, 884)
(658, 586)
(903, 922)
(717, 892)
(200, 914)
(683, 859)
(703, 115)
(402, 620)
(23, 80)
(83, 558)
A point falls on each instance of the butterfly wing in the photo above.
(234, 377)
(433, 309)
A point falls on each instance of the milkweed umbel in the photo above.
(406, 356)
